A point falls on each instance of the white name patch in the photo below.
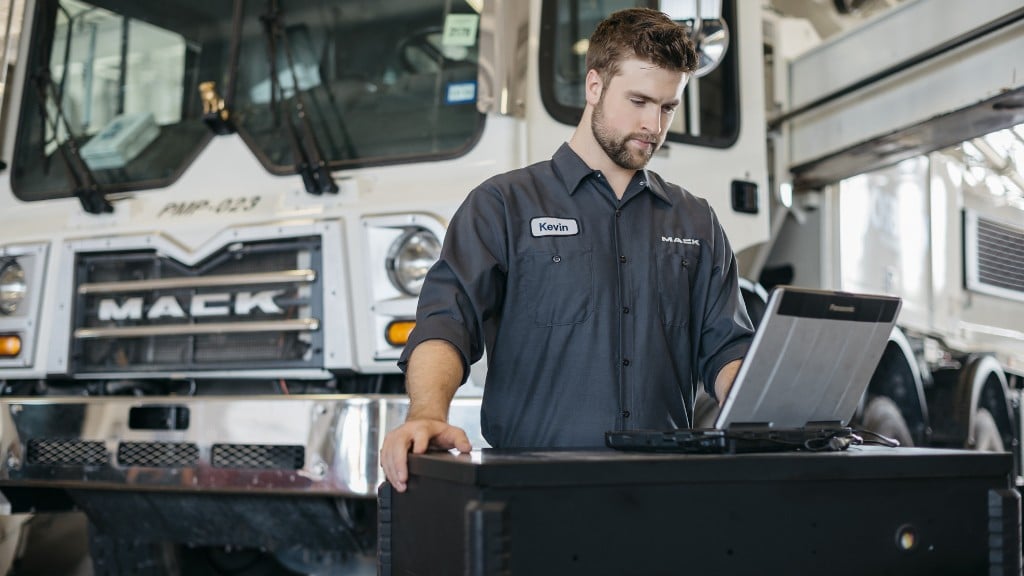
(549, 226)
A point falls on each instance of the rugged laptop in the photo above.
(808, 366)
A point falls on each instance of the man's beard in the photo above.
(617, 148)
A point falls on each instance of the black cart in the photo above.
(867, 510)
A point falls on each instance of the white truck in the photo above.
(215, 217)
(899, 151)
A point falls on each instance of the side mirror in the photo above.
(709, 32)
(711, 37)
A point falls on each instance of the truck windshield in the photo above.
(112, 87)
(383, 81)
(112, 90)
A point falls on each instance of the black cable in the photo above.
(880, 439)
(836, 442)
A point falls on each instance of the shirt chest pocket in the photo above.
(559, 286)
(675, 272)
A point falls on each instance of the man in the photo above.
(601, 292)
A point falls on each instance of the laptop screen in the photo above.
(811, 359)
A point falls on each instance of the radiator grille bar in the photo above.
(1000, 255)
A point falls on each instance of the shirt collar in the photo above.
(655, 185)
(573, 170)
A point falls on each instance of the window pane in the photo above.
(575, 23)
(378, 81)
(118, 87)
(569, 24)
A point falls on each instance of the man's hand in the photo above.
(434, 373)
(416, 436)
(724, 380)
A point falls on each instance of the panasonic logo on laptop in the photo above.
(675, 240)
(838, 308)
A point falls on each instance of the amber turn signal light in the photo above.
(397, 332)
(10, 346)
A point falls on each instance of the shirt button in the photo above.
(685, 262)
(556, 259)
(625, 413)
(618, 213)
(625, 361)
(643, 183)
(622, 259)
(625, 309)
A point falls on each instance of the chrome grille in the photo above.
(67, 452)
(219, 348)
(252, 305)
(258, 456)
(157, 454)
(1000, 255)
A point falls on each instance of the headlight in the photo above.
(409, 258)
(12, 287)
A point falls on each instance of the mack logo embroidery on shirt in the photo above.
(675, 240)
(548, 226)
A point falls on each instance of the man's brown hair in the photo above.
(644, 33)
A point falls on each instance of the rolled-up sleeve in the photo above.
(463, 292)
(726, 330)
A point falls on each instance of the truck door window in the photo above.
(116, 82)
(383, 81)
(566, 26)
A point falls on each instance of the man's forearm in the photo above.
(725, 378)
(433, 376)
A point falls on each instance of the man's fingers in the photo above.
(453, 437)
(462, 442)
(417, 437)
(420, 441)
(394, 456)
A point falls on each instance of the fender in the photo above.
(899, 378)
(983, 381)
(958, 394)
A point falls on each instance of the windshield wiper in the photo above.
(86, 188)
(309, 161)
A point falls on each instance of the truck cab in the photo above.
(217, 217)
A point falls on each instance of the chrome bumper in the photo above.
(315, 445)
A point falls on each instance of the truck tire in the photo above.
(114, 556)
(986, 433)
(117, 556)
(883, 416)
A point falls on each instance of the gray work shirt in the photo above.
(597, 313)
